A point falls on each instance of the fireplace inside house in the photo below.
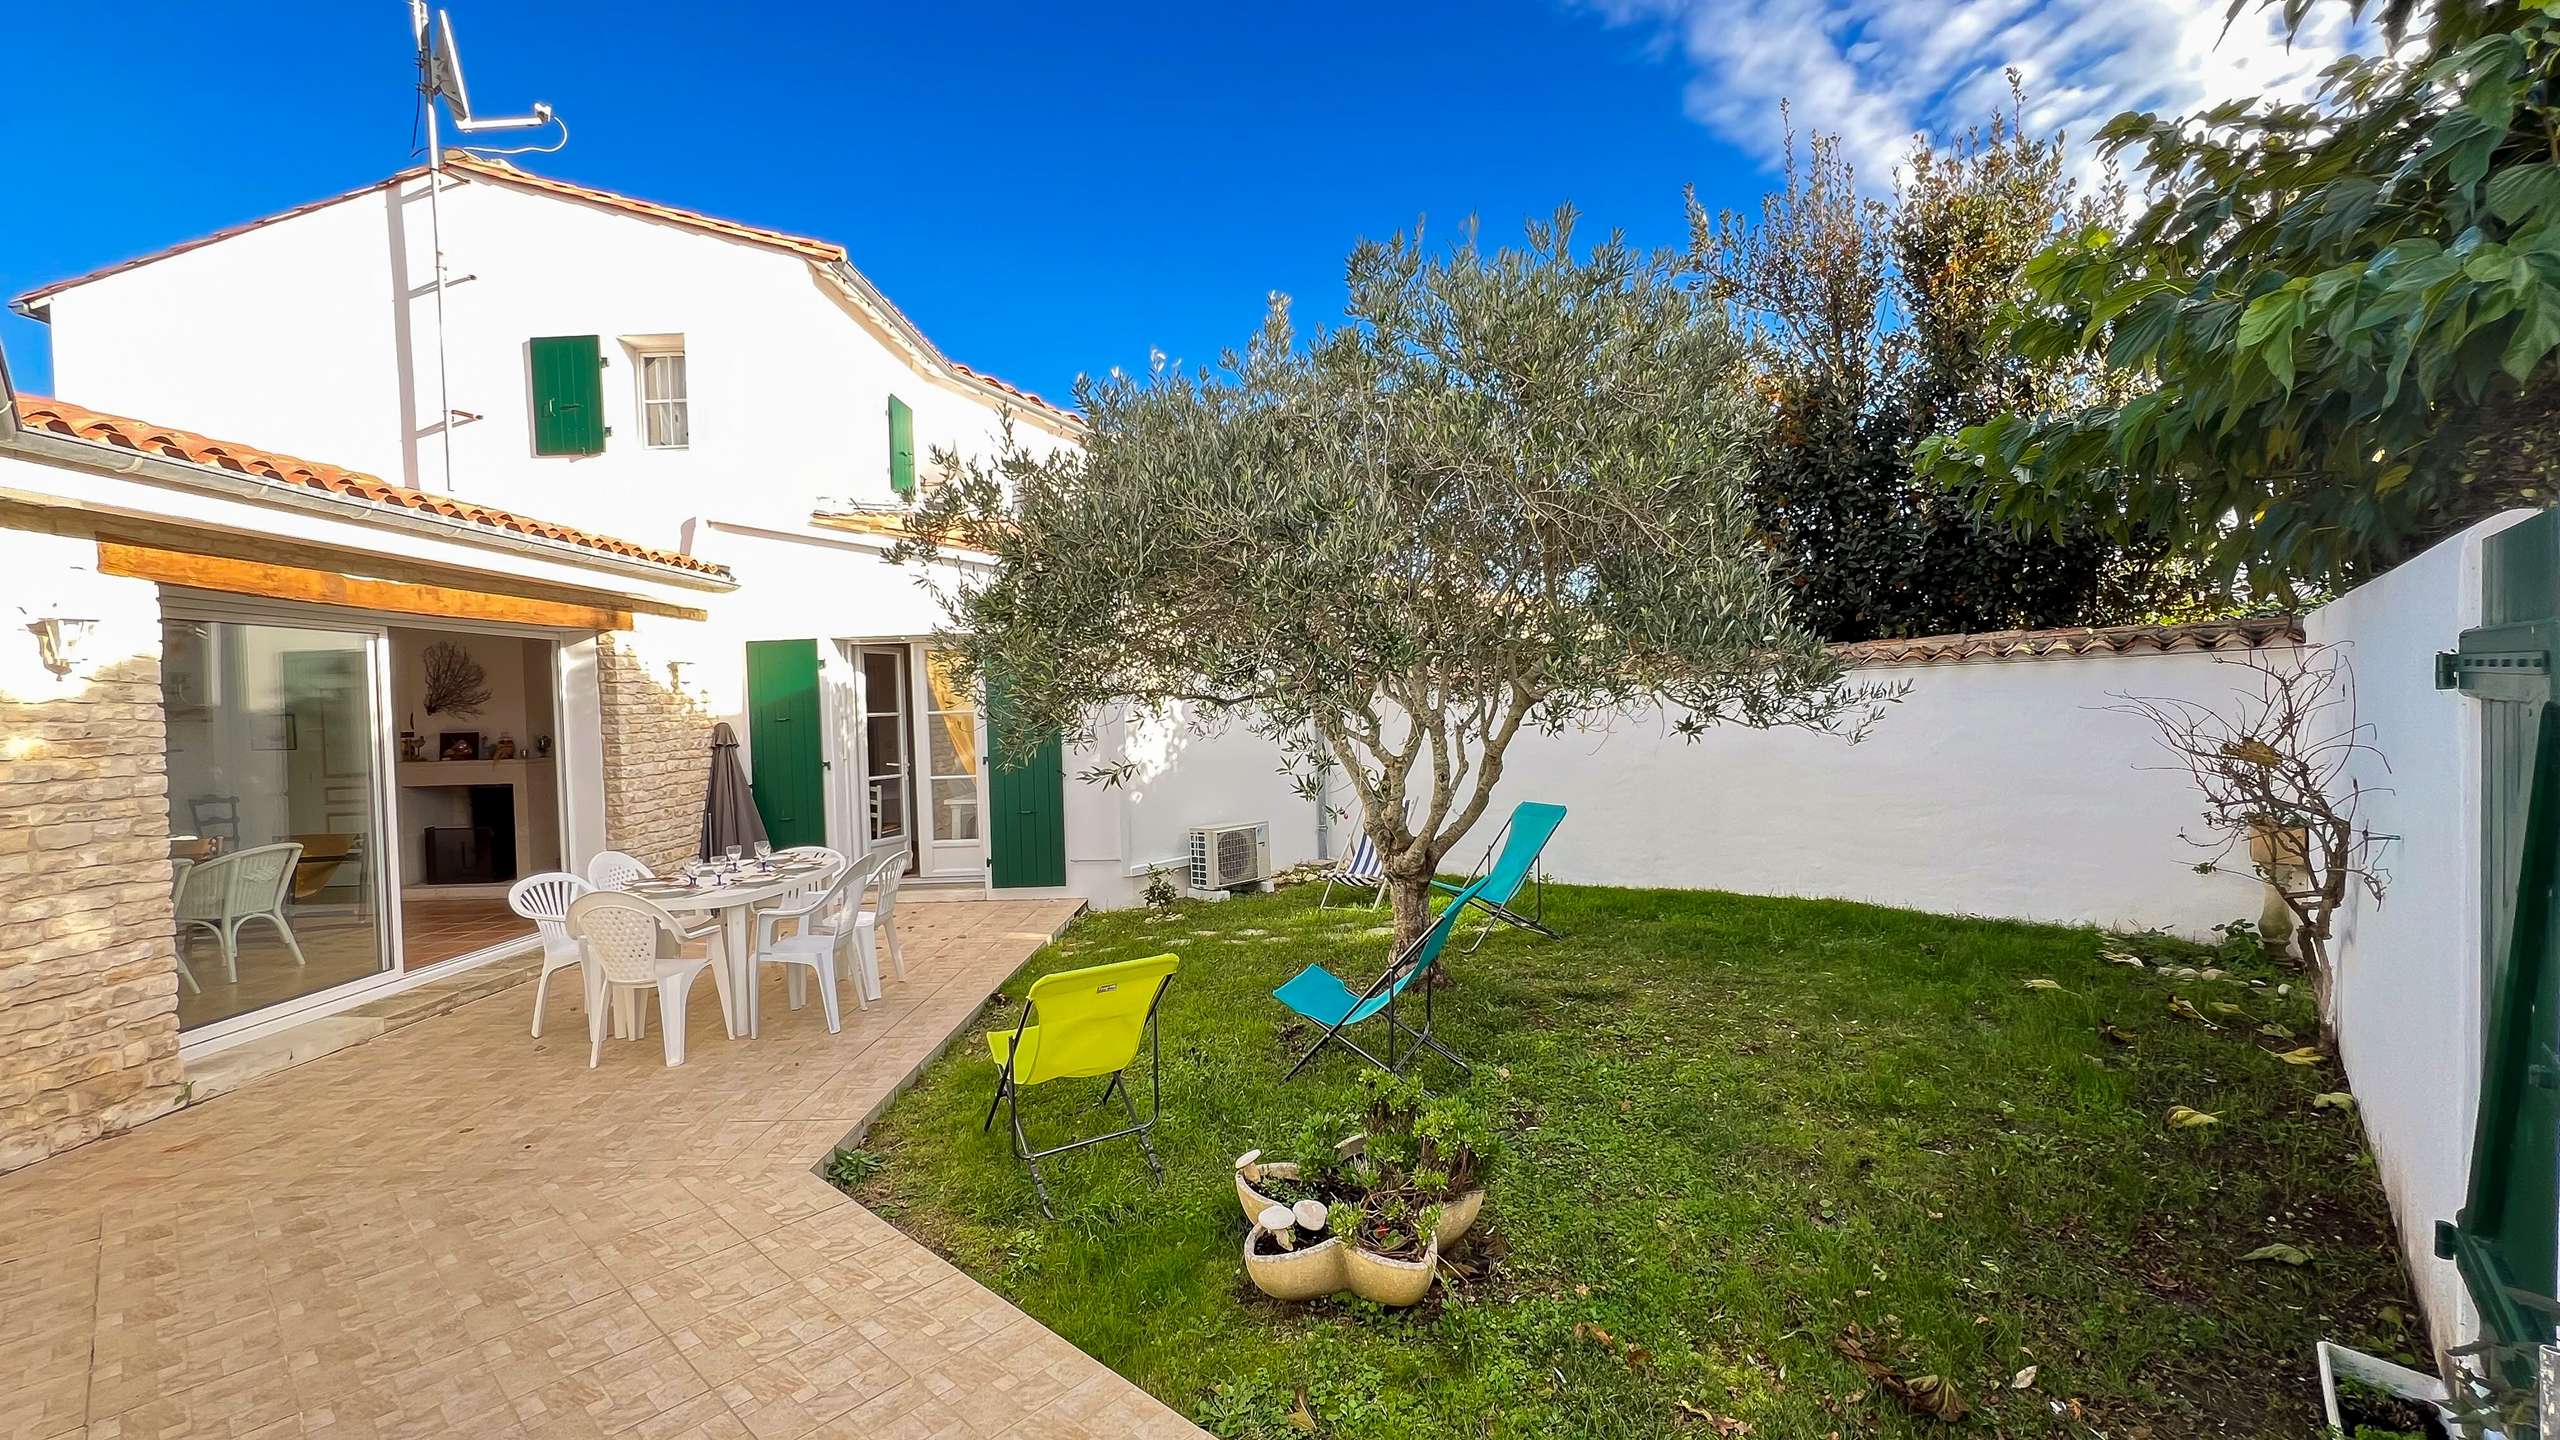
(472, 840)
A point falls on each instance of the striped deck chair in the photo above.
(1362, 867)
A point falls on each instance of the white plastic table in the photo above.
(735, 906)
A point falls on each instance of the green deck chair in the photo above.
(1075, 1025)
(1524, 837)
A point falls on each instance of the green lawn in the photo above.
(1738, 1130)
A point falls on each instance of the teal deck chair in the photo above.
(1498, 880)
(1316, 994)
(1077, 1025)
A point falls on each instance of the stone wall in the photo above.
(88, 954)
(657, 753)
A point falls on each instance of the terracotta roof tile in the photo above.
(2245, 634)
(56, 417)
(802, 245)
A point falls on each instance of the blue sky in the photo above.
(1050, 189)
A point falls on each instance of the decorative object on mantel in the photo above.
(458, 745)
(413, 746)
(505, 749)
(456, 685)
(541, 747)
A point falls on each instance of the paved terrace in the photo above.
(458, 1230)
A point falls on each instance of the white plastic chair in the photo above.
(620, 942)
(177, 890)
(223, 894)
(877, 927)
(544, 899)
(823, 922)
(611, 870)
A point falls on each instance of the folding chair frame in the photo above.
(1504, 913)
(1421, 1039)
(1009, 1096)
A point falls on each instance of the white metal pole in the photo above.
(435, 229)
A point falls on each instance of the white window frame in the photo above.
(641, 356)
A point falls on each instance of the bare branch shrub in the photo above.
(2281, 797)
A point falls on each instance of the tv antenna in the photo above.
(440, 78)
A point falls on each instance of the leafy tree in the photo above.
(2330, 334)
(1871, 322)
(1507, 493)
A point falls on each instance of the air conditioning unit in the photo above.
(1230, 857)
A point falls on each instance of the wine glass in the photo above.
(764, 851)
(733, 853)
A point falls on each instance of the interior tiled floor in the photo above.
(457, 1229)
(339, 944)
(436, 927)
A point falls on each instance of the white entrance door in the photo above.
(888, 802)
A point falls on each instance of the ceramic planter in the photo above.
(1309, 1272)
(1457, 1217)
(2337, 1363)
(1391, 1282)
(1254, 1201)
(2283, 861)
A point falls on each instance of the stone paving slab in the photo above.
(458, 1229)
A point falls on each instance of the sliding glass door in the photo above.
(275, 811)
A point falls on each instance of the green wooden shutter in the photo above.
(902, 448)
(788, 754)
(568, 394)
(2506, 1240)
(1026, 798)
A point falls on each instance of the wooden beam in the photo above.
(324, 587)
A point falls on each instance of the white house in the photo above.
(214, 817)
(735, 394)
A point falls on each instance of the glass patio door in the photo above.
(954, 842)
(887, 801)
(275, 812)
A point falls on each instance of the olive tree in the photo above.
(1503, 494)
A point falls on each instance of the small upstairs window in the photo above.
(665, 423)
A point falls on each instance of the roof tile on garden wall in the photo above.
(2251, 633)
(56, 417)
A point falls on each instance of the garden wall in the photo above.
(2408, 1003)
(2002, 785)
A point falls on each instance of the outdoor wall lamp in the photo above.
(60, 639)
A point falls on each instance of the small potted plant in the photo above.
(1394, 1251)
(1291, 1254)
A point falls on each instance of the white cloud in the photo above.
(1876, 72)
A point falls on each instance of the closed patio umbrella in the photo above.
(728, 808)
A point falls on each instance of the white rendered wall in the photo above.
(285, 337)
(2002, 788)
(2409, 1003)
(298, 337)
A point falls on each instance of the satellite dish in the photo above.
(440, 69)
(444, 70)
